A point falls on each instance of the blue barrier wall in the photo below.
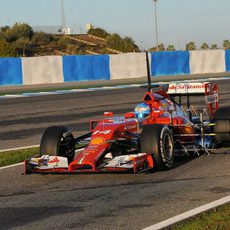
(10, 71)
(86, 67)
(227, 60)
(98, 67)
(170, 63)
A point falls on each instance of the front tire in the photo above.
(58, 141)
(158, 140)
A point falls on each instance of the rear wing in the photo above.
(208, 89)
(191, 88)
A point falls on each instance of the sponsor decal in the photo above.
(80, 161)
(102, 132)
(97, 141)
(140, 109)
(40, 160)
(48, 162)
(195, 87)
(54, 160)
(188, 86)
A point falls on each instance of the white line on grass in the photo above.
(11, 166)
(189, 214)
(15, 149)
(20, 148)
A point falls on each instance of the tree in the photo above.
(204, 46)
(129, 45)
(22, 44)
(18, 31)
(126, 44)
(226, 44)
(214, 47)
(170, 48)
(41, 38)
(161, 47)
(114, 41)
(191, 46)
(98, 32)
(3, 31)
(63, 42)
(71, 49)
(6, 50)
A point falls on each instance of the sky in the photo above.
(179, 21)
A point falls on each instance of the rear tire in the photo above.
(158, 140)
(222, 126)
(58, 141)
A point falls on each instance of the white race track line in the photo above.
(20, 148)
(11, 166)
(56, 92)
(164, 223)
(189, 214)
(14, 149)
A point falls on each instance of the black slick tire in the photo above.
(222, 126)
(158, 140)
(58, 141)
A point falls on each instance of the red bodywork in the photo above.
(107, 131)
(127, 128)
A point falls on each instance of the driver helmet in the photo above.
(142, 110)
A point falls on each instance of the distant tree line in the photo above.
(21, 40)
(192, 46)
(15, 40)
(115, 41)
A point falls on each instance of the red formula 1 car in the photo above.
(145, 139)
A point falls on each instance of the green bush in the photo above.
(98, 32)
(41, 38)
(6, 50)
(63, 42)
(18, 31)
(114, 41)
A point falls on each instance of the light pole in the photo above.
(156, 23)
(63, 21)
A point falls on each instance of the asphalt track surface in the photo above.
(98, 201)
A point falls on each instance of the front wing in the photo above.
(56, 164)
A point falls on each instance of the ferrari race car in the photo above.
(148, 138)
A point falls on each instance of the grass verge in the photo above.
(215, 219)
(17, 156)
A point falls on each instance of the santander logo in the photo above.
(194, 87)
(187, 86)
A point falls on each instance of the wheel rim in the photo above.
(65, 149)
(168, 146)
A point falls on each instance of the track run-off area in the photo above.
(99, 201)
